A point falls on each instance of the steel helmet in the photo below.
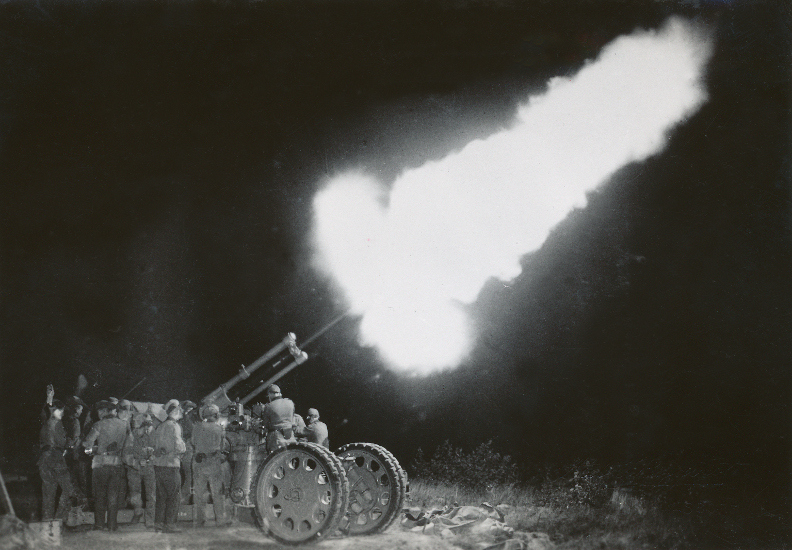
(171, 405)
(210, 411)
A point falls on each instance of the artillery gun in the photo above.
(304, 492)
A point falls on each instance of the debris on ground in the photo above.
(475, 527)
(15, 534)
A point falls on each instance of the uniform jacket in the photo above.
(316, 432)
(278, 414)
(187, 422)
(71, 424)
(209, 439)
(299, 424)
(52, 444)
(113, 438)
(142, 450)
(168, 444)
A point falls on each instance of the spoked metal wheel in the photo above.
(377, 487)
(301, 493)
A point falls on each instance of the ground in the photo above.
(241, 537)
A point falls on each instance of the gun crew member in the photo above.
(107, 442)
(188, 420)
(52, 464)
(316, 431)
(211, 446)
(124, 412)
(277, 416)
(47, 408)
(168, 449)
(75, 458)
(140, 469)
(299, 427)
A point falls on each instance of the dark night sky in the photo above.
(158, 161)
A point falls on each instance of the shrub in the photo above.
(583, 483)
(481, 469)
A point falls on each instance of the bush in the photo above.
(568, 524)
(481, 469)
(582, 484)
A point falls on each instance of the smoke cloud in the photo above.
(409, 258)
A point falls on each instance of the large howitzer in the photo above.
(303, 492)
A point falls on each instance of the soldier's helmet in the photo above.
(274, 391)
(171, 405)
(210, 411)
(187, 406)
(313, 412)
(73, 401)
(125, 405)
(105, 406)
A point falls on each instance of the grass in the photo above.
(569, 524)
(647, 504)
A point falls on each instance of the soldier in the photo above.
(90, 419)
(114, 401)
(71, 423)
(125, 410)
(71, 419)
(189, 419)
(316, 431)
(211, 447)
(299, 427)
(86, 460)
(107, 442)
(140, 470)
(47, 408)
(277, 417)
(52, 465)
(168, 449)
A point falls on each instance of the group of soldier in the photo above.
(129, 456)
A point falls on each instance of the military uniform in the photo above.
(79, 474)
(299, 426)
(140, 473)
(316, 432)
(210, 443)
(278, 418)
(53, 470)
(187, 422)
(111, 436)
(168, 448)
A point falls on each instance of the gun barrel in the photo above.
(289, 341)
(298, 360)
(300, 357)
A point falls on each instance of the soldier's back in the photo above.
(279, 413)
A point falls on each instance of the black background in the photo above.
(158, 162)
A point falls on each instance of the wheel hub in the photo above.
(376, 485)
(299, 493)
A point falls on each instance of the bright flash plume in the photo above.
(409, 267)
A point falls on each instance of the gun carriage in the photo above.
(303, 492)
